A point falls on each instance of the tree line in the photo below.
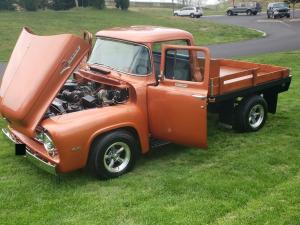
(33, 5)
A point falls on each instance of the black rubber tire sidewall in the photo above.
(96, 164)
(229, 13)
(243, 110)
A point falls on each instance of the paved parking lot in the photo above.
(281, 35)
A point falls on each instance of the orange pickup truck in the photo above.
(68, 105)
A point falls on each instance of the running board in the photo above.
(156, 143)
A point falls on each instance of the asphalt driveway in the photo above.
(281, 35)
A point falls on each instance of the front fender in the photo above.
(74, 133)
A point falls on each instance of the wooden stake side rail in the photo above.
(244, 79)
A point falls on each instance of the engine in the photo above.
(75, 96)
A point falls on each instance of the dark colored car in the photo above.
(250, 8)
(278, 10)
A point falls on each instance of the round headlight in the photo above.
(46, 140)
(49, 145)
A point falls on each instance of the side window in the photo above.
(185, 64)
(156, 51)
(177, 65)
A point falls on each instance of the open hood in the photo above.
(37, 69)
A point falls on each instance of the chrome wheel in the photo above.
(117, 157)
(256, 116)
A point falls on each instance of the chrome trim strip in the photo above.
(198, 96)
(40, 163)
(34, 159)
(8, 134)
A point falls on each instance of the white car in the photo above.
(189, 11)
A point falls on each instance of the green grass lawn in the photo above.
(76, 21)
(250, 178)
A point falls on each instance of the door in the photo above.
(186, 12)
(177, 106)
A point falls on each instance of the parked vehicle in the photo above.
(189, 11)
(140, 88)
(250, 8)
(278, 10)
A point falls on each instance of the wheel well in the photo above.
(131, 130)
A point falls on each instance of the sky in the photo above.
(210, 2)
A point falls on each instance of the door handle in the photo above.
(198, 96)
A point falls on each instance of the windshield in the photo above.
(280, 5)
(122, 56)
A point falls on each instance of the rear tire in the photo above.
(175, 14)
(229, 13)
(251, 114)
(192, 15)
(113, 154)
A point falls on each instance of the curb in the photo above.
(263, 34)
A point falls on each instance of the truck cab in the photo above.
(138, 88)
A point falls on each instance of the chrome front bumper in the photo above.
(33, 158)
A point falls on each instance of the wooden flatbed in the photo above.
(228, 76)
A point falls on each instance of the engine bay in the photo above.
(77, 96)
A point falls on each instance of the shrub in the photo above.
(30, 5)
(123, 4)
(99, 4)
(7, 5)
(62, 4)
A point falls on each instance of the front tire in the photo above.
(249, 12)
(192, 15)
(251, 114)
(113, 154)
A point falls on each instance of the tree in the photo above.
(123, 4)
(30, 5)
(293, 2)
(99, 4)
(76, 3)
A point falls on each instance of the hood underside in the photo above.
(37, 69)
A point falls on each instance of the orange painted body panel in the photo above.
(37, 69)
(173, 110)
(146, 34)
(79, 129)
(176, 113)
